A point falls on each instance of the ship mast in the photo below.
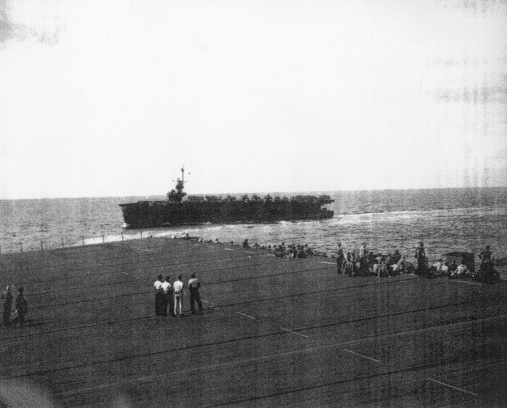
(176, 195)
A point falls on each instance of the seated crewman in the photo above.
(436, 268)
(402, 265)
(438, 265)
(461, 270)
(444, 271)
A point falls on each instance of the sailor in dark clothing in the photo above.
(21, 307)
(485, 255)
(339, 259)
(388, 261)
(193, 287)
(420, 255)
(396, 256)
(487, 271)
(7, 300)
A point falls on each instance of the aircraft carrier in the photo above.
(181, 210)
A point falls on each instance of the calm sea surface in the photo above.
(445, 219)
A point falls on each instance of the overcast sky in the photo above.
(110, 98)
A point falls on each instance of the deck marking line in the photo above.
(208, 367)
(250, 252)
(242, 314)
(452, 386)
(329, 263)
(229, 249)
(361, 355)
(290, 331)
(466, 282)
(282, 354)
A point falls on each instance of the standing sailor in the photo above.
(158, 296)
(420, 255)
(362, 251)
(193, 287)
(485, 256)
(168, 298)
(7, 299)
(339, 259)
(178, 296)
(21, 307)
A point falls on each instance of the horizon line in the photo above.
(261, 192)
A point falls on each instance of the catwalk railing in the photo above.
(20, 246)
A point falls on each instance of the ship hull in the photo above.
(150, 214)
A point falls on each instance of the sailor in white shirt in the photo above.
(436, 269)
(444, 271)
(438, 266)
(362, 250)
(168, 298)
(178, 296)
(462, 269)
(158, 296)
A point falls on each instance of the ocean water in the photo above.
(445, 219)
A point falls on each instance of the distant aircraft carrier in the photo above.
(215, 209)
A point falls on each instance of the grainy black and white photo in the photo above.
(253, 203)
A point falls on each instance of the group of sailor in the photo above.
(364, 262)
(170, 295)
(17, 316)
(293, 251)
